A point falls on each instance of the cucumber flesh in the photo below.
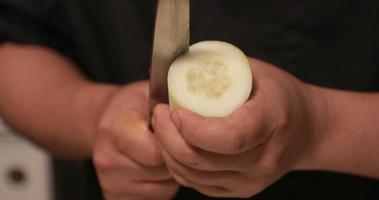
(212, 79)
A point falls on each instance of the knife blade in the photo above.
(171, 39)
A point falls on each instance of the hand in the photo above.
(239, 155)
(126, 155)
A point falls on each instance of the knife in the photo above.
(171, 39)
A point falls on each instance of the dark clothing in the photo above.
(332, 43)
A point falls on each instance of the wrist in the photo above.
(88, 105)
(318, 127)
(344, 135)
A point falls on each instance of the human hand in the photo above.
(242, 154)
(126, 155)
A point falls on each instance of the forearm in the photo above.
(46, 99)
(347, 139)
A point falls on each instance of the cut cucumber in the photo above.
(212, 79)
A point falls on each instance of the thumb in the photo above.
(135, 140)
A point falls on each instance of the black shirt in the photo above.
(332, 43)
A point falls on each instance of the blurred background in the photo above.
(27, 172)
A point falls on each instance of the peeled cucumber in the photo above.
(212, 79)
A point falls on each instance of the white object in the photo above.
(25, 171)
(212, 79)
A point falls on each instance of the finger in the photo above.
(135, 172)
(243, 190)
(109, 161)
(220, 192)
(243, 130)
(121, 189)
(210, 178)
(193, 157)
(213, 191)
(134, 139)
(236, 191)
(242, 185)
(227, 183)
(170, 140)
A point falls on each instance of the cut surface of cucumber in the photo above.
(212, 79)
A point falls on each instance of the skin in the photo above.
(286, 125)
(74, 118)
(126, 153)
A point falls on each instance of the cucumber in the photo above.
(212, 79)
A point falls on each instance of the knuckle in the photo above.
(152, 159)
(238, 141)
(271, 162)
(188, 157)
(151, 190)
(148, 158)
(283, 121)
(102, 162)
(109, 187)
(185, 176)
(181, 180)
(104, 125)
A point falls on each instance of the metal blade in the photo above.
(171, 39)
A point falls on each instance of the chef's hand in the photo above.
(242, 154)
(126, 154)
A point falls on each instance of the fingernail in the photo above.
(154, 117)
(175, 118)
(153, 121)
